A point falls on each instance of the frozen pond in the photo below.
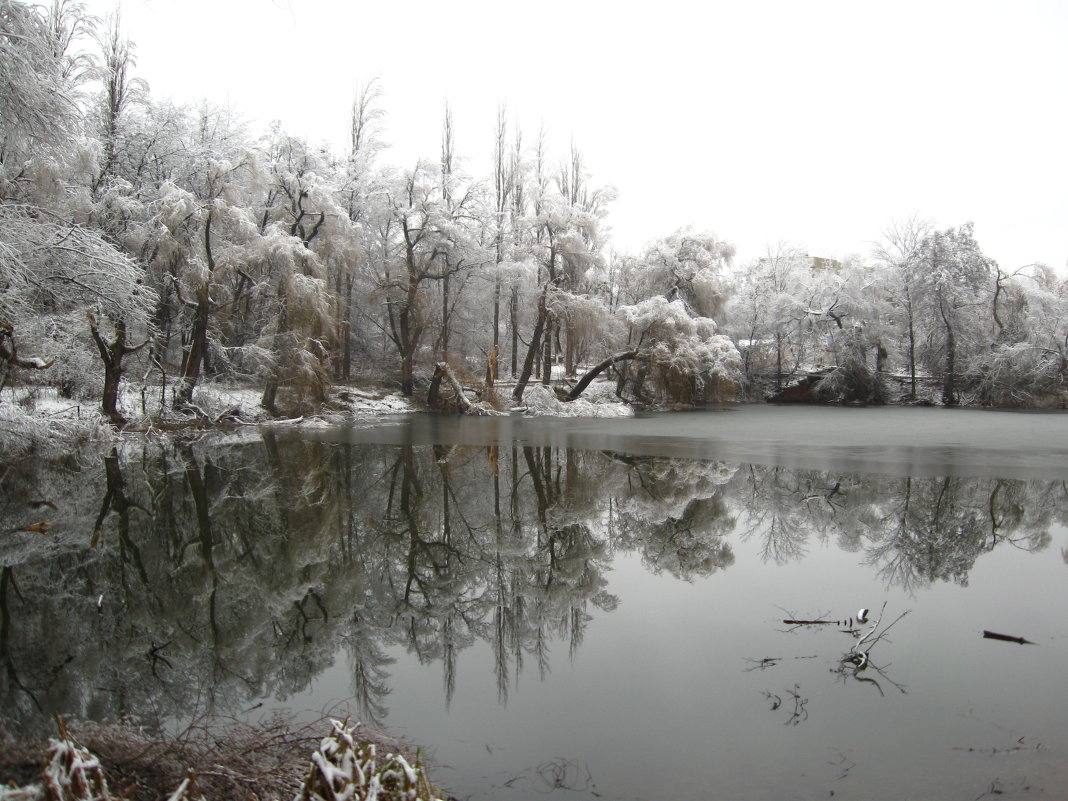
(581, 608)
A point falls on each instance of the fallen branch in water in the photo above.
(992, 635)
(812, 622)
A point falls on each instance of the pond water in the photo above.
(578, 608)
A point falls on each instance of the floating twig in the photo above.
(993, 635)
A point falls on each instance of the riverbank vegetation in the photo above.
(156, 247)
(214, 759)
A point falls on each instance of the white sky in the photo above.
(812, 123)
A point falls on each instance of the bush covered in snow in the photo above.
(540, 399)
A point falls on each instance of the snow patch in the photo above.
(540, 400)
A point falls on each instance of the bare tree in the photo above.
(897, 252)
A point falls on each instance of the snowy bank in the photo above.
(599, 401)
(214, 759)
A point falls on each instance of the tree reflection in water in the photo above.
(180, 578)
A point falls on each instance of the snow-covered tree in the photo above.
(428, 239)
(684, 355)
(1027, 363)
(767, 312)
(563, 242)
(687, 265)
(896, 254)
(953, 280)
(38, 79)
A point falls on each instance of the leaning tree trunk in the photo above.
(9, 355)
(442, 372)
(580, 387)
(533, 348)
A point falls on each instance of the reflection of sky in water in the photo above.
(888, 440)
(659, 699)
(658, 695)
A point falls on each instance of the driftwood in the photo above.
(790, 622)
(992, 635)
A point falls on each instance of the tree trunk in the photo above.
(513, 314)
(491, 365)
(442, 371)
(949, 393)
(268, 400)
(346, 352)
(778, 362)
(198, 346)
(407, 374)
(547, 355)
(497, 310)
(569, 349)
(112, 354)
(580, 387)
(912, 356)
(533, 348)
(109, 402)
(445, 319)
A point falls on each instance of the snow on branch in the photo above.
(46, 260)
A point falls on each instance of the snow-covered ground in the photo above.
(598, 401)
(37, 419)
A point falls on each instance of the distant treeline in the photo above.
(163, 244)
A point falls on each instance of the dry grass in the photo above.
(230, 759)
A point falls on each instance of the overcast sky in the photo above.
(811, 123)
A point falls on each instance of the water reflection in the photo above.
(190, 577)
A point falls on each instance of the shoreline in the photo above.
(214, 757)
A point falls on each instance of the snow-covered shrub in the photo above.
(237, 761)
(540, 399)
(346, 768)
(72, 773)
(22, 434)
(852, 382)
(689, 362)
(1021, 374)
(77, 372)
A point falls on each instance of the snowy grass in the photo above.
(216, 758)
(29, 432)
